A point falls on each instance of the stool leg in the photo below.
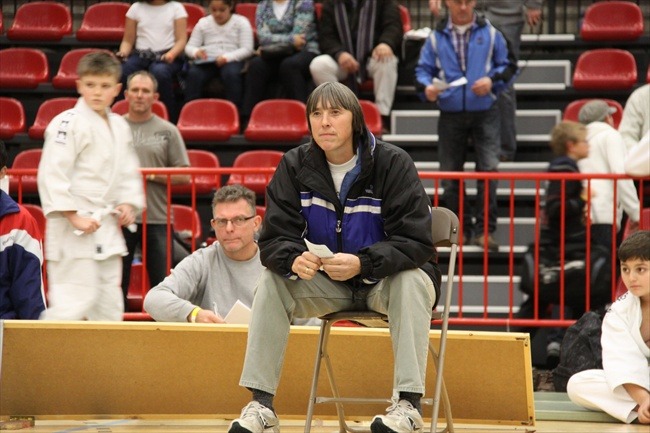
(322, 340)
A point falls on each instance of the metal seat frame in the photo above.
(445, 229)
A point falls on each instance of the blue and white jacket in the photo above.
(487, 56)
(383, 214)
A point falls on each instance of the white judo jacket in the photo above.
(88, 165)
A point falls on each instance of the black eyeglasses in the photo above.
(237, 221)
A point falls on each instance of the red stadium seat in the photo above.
(194, 13)
(187, 223)
(66, 77)
(158, 108)
(29, 158)
(208, 120)
(23, 68)
(406, 18)
(12, 118)
(46, 112)
(205, 183)
(605, 69)
(135, 295)
(647, 77)
(571, 111)
(255, 158)
(612, 21)
(103, 22)
(277, 120)
(372, 116)
(41, 21)
(318, 9)
(248, 10)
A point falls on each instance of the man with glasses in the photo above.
(206, 284)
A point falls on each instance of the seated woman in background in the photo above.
(287, 22)
(155, 35)
(220, 44)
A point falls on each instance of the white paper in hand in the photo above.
(443, 85)
(238, 314)
(321, 251)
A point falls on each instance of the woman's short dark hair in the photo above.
(337, 95)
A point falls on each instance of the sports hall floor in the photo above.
(297, 426)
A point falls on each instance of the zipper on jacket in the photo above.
(339, 241)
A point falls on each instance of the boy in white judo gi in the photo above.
(622, 387)
(89, 185)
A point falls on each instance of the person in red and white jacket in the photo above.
(21, 257)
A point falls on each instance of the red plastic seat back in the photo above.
(205, 183)
(605, 69)
(372, 116)
(159, 109)
(277, 120)
(187, 222)
(46, 112)
(103, 22)
(135, 295)
(66, 77)
(405, 17)
(23, 68)
(12, 118)
(29, 158)
(571, 111)
(208, 120)
(194, 13)
(612, 21)
(255, 158)
(41, 21)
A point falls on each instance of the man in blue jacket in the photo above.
(467, 47)
(363, 199)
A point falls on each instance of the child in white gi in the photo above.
(622, 388)
(89, 185)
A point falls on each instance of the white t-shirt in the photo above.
(155, 24)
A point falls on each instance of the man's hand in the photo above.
(533, 16)
(382, 52)
(207, 316)
(348, 63)
(482, 86)
(431, 92)
(342, 266)
(306, 265)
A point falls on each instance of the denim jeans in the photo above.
(156, 264)
(455, 131)
(278, 300)
(230, 75)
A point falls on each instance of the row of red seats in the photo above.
(40, 20)
(200, 120)
(50, 21)
(203, 183)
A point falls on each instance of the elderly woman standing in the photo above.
(155, 35)
(282, 22)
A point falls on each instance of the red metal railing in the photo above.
(513, 181)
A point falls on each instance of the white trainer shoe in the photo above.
(255, 418)
(401, 417)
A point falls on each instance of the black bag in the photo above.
(276, 51)
(581, 349)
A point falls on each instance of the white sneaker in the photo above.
(401, 417)
(255, 418)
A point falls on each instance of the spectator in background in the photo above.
(206, 284)
(508, 17)
(290, 24)
(158, 143)
(637, 162)
(467, 47)
(90, 185)
(220, 44)
(354, 49)
(155, 35)
(21, 257)
(606, 155)
(636, 116)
